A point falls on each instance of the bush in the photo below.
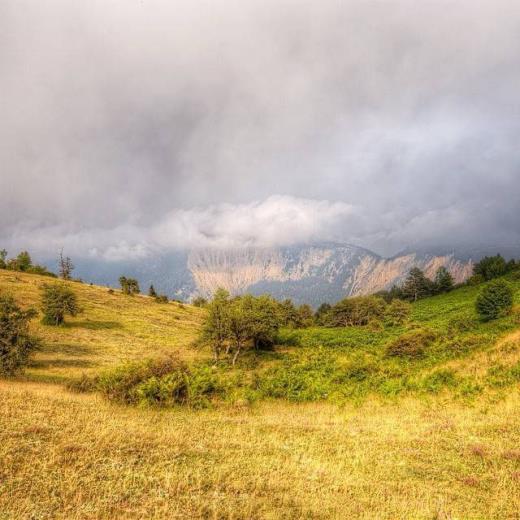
(411, 345)
(494, 300)
(356, 311)
(462, 323)
(57, 301)
(16, 344)
(163, 382)
(129, 286)
(491, 267)
(397, 313)
(161, 298)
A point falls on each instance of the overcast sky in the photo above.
(128, 126)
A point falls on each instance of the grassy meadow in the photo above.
(325, 426)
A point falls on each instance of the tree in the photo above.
(16, 344)
(151, 292)
(304, 316)
(240, 323)
(216, 324)
(321, 315)
(288, 313)
(360, 310)
(3, 256)
(266, 320)
(199, 301)
(57, 301)
(22, 262)
(65, 266)
(416, 285)
(443, 280)
(129, 286)
(494, 300)
(490, 267)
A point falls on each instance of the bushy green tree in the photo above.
(494, 300)
(266, 320)
(359, 310)
(16, 344)
(22, 262)
(304, 316)
(289, 313)
(443, 280)
(129, 286)
(416, 285)
(490, 267)
(322, 313)
(58, 300)
(216, 324)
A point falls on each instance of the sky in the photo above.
(134, 126)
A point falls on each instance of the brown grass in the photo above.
(68, 456)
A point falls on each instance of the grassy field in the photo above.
(112, 328)
(408, 449)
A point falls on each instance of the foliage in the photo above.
(129, 286)
(443, 281)
(356, 311)
(199, 301)
(161, 298)
(494, 300)
(161, 382)
(412, 344)
(57, 301)
(16, 344)
(321, 314)
(397, 313)
(3, 256)
(151, 292)
(416, 285)
(490, 267)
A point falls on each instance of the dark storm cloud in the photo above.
(127, 126)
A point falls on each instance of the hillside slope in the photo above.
(111, 329)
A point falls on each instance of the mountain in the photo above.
(311, 273)
(306, 273)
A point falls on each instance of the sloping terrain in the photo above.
(413, 446)
(111, 329)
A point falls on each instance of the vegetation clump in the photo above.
(16, 344)
(58, 300)
(129, 286)
(494, 300)
(411, 345)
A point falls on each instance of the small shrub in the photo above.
(494, 300)
(161, 298)
(110, 291)
(57, 301)
(411, 345)
(16, 345)
(462, 323)
(397, 313)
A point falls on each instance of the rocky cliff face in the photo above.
(316, 273)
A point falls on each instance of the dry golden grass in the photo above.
(112, 328)
(70, 456)
(67, 456)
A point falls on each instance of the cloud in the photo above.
(275, 221)
(120, 117)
